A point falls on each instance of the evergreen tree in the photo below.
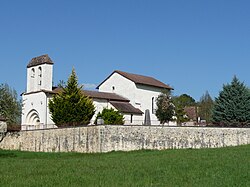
(71, 106)
(110, 117)
(205, 107)
(232, 107)
(165, 107)
(10, 105)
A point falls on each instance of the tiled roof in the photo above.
(105, 95)
(140, 79)
(126, 107)
(43, 59)
(99, 95)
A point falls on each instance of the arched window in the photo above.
(32, 73)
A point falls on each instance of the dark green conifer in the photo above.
(71, 106)
(232, 107)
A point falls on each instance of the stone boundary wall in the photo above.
(3, 126)
(124, 138)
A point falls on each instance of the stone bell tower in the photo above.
(39, 74)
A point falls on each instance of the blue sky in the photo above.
(193, 46)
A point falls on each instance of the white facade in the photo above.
(141, 96)
(39, 78)
(35, 111)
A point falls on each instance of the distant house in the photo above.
(130, 94)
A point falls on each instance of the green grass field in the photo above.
(204, 167)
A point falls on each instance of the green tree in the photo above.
(71, 106)
(110, 117)
(10, 105)
(180, 102)
(232, 107)
(165, 107)
(205, 107)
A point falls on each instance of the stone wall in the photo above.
(3, 127)
(124, 138)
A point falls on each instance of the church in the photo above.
(132, 95)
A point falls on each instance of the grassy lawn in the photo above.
(204, 167)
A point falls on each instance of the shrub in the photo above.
(110, 117)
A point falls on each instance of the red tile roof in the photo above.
(126, 107)
(98, 95)
(43, 59)
(140, 79)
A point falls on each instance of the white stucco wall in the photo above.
(35, 106)
(136, 119)
(99, 104)
(140, 96)
(122, 85)
(42, 74)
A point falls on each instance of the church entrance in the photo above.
(32, 120)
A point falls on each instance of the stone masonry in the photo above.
(107, 138)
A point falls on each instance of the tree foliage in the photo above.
(205, 107)
(10, 105)
(232, 107)
(165, 107)
(71, 106)
(110, 117)
(180, 102)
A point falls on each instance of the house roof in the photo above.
(140, 79)
(125, 107)
(43, 59)
(99, 95)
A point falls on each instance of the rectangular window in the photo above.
(153, 103)
(131, 118)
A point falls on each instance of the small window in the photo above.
(131, 118)
(113, 88)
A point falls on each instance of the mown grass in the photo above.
(204, 167)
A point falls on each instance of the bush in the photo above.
(110, 117)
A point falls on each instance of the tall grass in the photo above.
(204, 167)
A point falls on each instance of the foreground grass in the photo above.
(205, 167)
